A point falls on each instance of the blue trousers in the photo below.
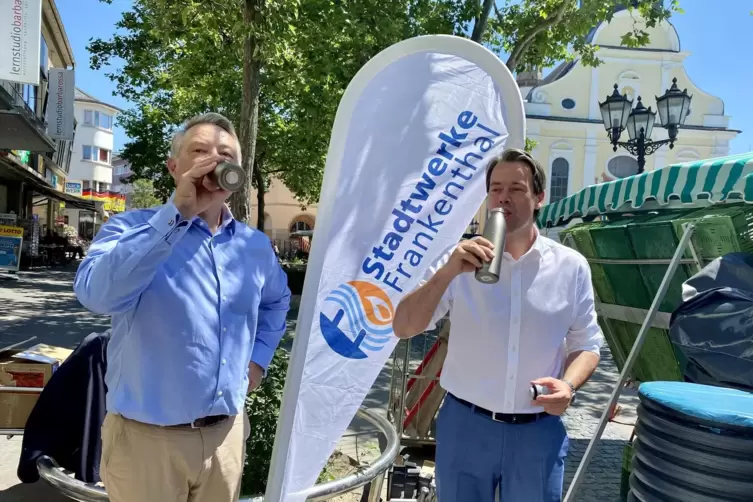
(476, 455)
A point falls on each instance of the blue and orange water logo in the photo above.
(357, 317)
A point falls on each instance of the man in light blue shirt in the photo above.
(198, 304)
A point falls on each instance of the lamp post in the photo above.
(474, 227)
(618, 114)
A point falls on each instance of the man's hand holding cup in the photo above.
(196, 191)
(469, 256)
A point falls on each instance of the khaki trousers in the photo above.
(148, 463)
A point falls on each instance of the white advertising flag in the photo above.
(404, 176)
(60, 119)
(20, 31)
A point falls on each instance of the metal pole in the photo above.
(579, 474)
(641, 151)
(374, 473)
(375, 489)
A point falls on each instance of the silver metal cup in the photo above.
(495, 231)
(229, 176)
(538, 390)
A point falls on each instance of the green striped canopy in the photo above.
(714, 180)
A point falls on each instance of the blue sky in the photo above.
(713, 32)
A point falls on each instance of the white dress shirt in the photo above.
(505, 335)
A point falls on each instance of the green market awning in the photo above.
(712, 180)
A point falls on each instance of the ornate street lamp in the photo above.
(618, 114)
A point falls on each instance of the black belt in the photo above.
(507, 418)
(204, 422)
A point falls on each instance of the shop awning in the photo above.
(702, 181)
(9, 169)
(70, 200)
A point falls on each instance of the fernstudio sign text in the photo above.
(60, 107)
(20, 32)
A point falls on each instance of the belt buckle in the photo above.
(193, 424)
(494, 418)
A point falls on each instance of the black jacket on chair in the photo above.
(66, 421)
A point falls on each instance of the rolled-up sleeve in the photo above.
(584, 333)
(273, 312)
(445, 303)
(124, 257)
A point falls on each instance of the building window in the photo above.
(560, 175)
(622, 166)
(568, 104)
(98, 119)
(43, 58)
(299, 226)
(86, 185)
(96, 154)
(30, 96)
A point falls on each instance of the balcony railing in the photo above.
(61, 157)
(12, 97)
(62, 154)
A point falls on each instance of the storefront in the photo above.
(30, 201)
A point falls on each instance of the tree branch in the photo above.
(496, 10)
(522, 46)
(479, 26)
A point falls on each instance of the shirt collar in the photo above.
(538, 248)
(227, 221)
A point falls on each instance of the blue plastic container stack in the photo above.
(694, 443)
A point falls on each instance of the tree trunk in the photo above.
(240, 202)
(261, 190)
(479, 26)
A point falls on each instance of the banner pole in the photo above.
(502, 105)
(645, 327)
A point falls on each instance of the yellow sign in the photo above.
(11, 231)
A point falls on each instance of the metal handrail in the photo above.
(77, 490)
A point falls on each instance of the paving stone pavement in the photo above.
(42, 304)
(602, 479)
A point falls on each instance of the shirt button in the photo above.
(219, 393)
(224, 362)
(219, 269)
(224, 298)
(224, 330)
(170, 223)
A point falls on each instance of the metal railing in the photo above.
(74, 489)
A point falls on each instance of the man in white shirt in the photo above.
(536, 325)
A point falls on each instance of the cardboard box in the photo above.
(32, 367)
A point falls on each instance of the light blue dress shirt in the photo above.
(189, 311)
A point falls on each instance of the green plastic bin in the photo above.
(657, 238)
(612, 242)
(584, 245)
(657, 360)
(611, 333)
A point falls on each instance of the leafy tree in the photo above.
(278, 68)
(540, 33)
(295, 58)
(143, 194)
